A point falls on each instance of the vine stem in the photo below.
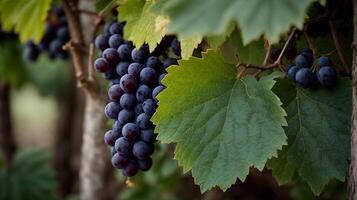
(277, 61)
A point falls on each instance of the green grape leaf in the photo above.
(29, 178)
(253, 53)
(254, 17)
(188, 45)
(216, 40)
(221, 125)
(318, 134)
(26, 17)
(140, 23)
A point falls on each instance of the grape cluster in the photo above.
(55, 36)
(301, 72)
(135, 76)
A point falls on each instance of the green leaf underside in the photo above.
(318, 134)
(140, 26)
(254, 17)
(221, 125)
(27, 17)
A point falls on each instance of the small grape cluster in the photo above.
(135, 76)
(301, 72)
(55, 36)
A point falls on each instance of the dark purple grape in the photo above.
(123, 146)
(111, 56)
(116, 28)
(169, 61)
(122, 68)
(134, 69)
(140, 55)
(309, 58)
(112, 110)
(149, 107)
(161, 77)
(115, 92)
(138, 109)
(101, 42)
(142, 150)
(131, 131)
(115, 41)
(56, 46)
(117, 128)
(292, 72)
(110, 74)
(107, 27)
(127, 101)
(63, 34)
(31, 53)
(110, 137)
(143, 93)
(148, 76)
(143, 121)
(131, 169)
(119, 161)
(176, 47)
(101, 65)
(156, 91)
(323, 61)
(145, 164)
(128, 83)
(154, 62)
(327, 76)
(148, 135)
(124, 51)
(301, 61)
(305, 77)
(126, 116)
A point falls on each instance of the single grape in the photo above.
(138, 109)
(116, 28)
(154, 62)
(123, 146)
(142, 150)
(101, 65)
(122, 68)
(148, 76)
(111, 56)
(31, 53)
(101, 42)
(301, 61)
(309, 58)
(127, 101)
(143, 93)
(156, 91)
(140, 55)
(115, 41)
(149, 107)
(327, 76)
(110, 137)
(63, 34)
(292, 72)
(107, 27)
(169, 61)
(305, 77)
(131, 131)
(124, 51)
(134, 69)
(143, 121)
(128, 83)
(161, 77)
(148, 135)
(126, 116)
(176, 47)
(115, 92)
(145, 164)
(119, 161)
(131, 169)
(117, 128)
(323, 61)
(112, 110)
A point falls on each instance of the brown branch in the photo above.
(277, 61)
(267, 54)
(338, 47)
(90, 62)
